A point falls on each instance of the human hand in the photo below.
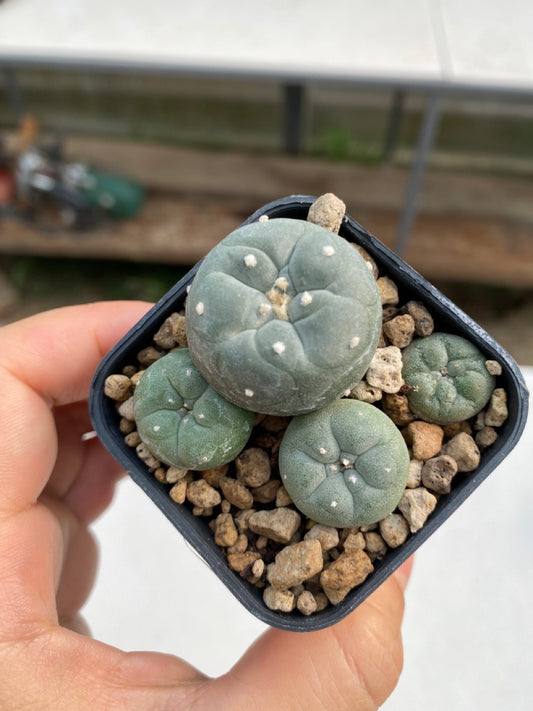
(53, 484)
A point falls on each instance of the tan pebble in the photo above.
(236, 493)
(164, 338)
(485, 437)
(453, 428)
(388, 291)
(148, 356)
(261, 543)
(242, 519)
(365, 392)
(282, 497)
(225, 506)
(306, 603)
(297, 589)
(344, 574)
(396, 407)
(464, 450)
(294, 564)
(321, 601)
(213, 476)
(135, 378)
(497, 412)
(385, 369)
(394, 529)
(126, 426)
(493, 367)
(226, 533)
(200, 493)
(415, 473)
(354, 542)
(327, 211)
(422, 318)
(126, 409)
(240, 545)
(479, 422)
(146, 456)
(117, 387)
(424, 438)
(253, 467)
(202, 511)
(132, 439)
(278, 524)
(389, 312)
(375, 546)
(178, 331)
(258, 568)
(400, 330)
(369, 527)
(129, 370)
(416, 505)
(327, 536)
(438, 472)
(282, 600)
(161, 475)
(266, 494)
(178, 491)
(240, 561)
(174, 474)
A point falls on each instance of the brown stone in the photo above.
(266, 494)
(327, 211)
(294, 564)
(422, 318)
(396, 406)
(344, 574)
(178, 331)
(394, 529)
(164, 338)
(306, 603)
(438, 472)
(278, 524)
(416, 505)
(375, 546)
(239, 562)
(236, 493)
(425, 439)
(327, 536)
(497, 412)
(117, 387)
(201, 494)
(253, 467)
(282, 600)
(400, 330)
(226, 533)
(388, 291)
(464, 450)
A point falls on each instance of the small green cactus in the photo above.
(283, 316)
(448, 378)
(182, 420)
(344, 465)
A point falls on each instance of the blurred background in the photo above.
(134, 136)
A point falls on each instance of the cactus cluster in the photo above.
(283, 317)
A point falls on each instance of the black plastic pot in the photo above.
(448, 318)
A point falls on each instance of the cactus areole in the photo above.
(283, 317)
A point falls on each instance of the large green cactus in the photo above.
(182, 420)
(448, 378)
(344, 465)
(283, 317)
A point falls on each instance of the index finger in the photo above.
(48, 360)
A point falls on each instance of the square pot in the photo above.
(448, 318)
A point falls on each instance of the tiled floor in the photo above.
(468, 627)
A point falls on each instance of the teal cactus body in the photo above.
(448, 378)
(182, 420)
(283, 316)
(344, 465)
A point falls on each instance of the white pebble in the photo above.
(250, 260)
(263, 218)
(278, 347)
(248, 392)
(328, 251)
(306, 299)
(355, 342)
(200, 308)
